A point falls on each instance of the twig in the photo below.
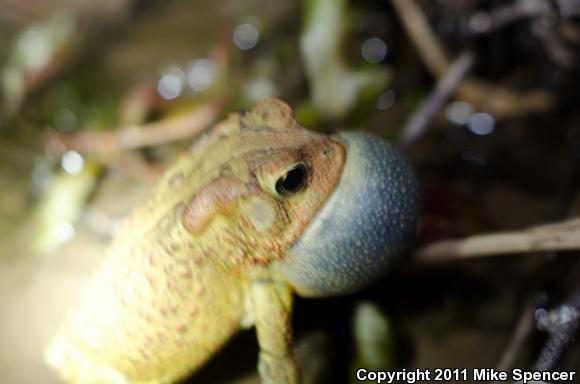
(522, 331)
(483, 22)
(418, 123)
(564, 235)
(568, 8)
(496, 100)
(562, 324)
(133, 134)
(139, 136)
(417, 26)
(555, 48)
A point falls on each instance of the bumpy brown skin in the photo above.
(191, 265)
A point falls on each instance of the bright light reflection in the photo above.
(72, 162)
(374, 50)
(64, 231)
(459, 112)
(35, 46)
(246, 36)
(386, 100)
(480, 22)
(481, 123)
(200, 74)
(170, 84)
(260, 88)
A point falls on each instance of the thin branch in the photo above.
(132, 134)
(138, 136)
(417, 26)
(522, 331)
(564, 235)
(499, 101)
(562, 324)
(484, 22)
(446, 85)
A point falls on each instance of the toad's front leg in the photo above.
(272, 306)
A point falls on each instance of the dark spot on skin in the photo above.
(147, 317)
(168, 269)
(161, 337)
(150, 280)
(198, 259)
(152, 259)
(252, 184)
(171, 248)
(245, 222)
(144, 353)
(226, 171)
(186, 274)
(171, 286)
(181, 328)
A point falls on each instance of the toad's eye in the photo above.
(293, 181)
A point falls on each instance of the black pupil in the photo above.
(293, 181)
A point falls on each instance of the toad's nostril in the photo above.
(370, 219)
